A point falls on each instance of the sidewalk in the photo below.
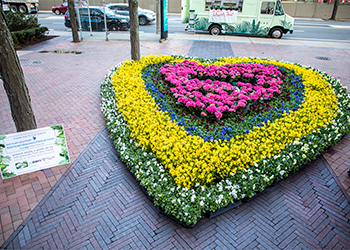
(97, 203)
(203, 36)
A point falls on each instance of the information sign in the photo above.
(32, 150)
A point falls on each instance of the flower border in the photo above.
(190, 204)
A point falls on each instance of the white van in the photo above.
(252, 17)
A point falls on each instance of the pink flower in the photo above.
(212, 109)
(214, 96)
(241, 103)
(218, 115)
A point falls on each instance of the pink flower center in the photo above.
(218, 89)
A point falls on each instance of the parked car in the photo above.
(114, 22)
(145, 16)
(58, 9)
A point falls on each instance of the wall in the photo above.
(316, 10)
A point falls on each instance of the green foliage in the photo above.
(24, 36)
(286, 25)
(201, 23)
(24, 27)
(20, 21)
(229, 29)
(61, 141)
(252, 28)
(4, 160)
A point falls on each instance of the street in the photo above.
(317, 29)
(304, 29)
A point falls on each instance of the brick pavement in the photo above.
(98, 204)
(64, 89)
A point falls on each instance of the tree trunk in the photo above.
(134, 30)
(73, 21)
(13, 81)
(335, 9)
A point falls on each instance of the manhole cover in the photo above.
(61, 51)
(324, 58)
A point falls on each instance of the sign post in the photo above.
(164, 19)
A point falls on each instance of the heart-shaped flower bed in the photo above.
(270, 118)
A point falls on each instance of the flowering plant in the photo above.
(200, 87)
(191, 163)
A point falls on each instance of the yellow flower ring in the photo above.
(193, 163)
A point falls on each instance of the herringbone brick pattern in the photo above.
(210, 50)
(99, 205)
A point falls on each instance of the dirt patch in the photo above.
(61, 52)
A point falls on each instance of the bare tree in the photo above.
(13, 80)
(134, 30)
(73, 21)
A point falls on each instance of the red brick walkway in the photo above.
(64, 89)
(99, 205)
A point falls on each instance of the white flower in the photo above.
(193, 197)
(234, 193)
(201, 203)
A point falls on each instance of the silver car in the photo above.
(145, 16)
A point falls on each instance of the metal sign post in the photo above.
(105, 19)
(79, 23)
(88, 8)
(164, 19)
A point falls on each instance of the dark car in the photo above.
(145, 16)
(114, 22)
(58, 9)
